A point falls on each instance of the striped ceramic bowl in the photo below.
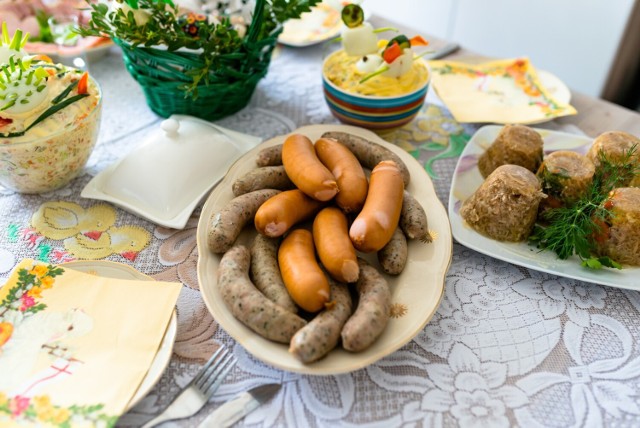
(373, 112)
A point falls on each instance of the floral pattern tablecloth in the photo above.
(508, 346)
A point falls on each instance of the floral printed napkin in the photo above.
(505, 91)
(74, 347)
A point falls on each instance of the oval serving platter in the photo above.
(416, 293)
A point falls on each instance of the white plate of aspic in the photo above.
(467, 178)
(415, 293)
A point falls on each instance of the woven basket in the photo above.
(163, 74)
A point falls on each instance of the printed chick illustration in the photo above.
(89, 233)
(61, 220)
(127, 241)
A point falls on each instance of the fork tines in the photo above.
(214, 371)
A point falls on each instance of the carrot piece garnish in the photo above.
(42, 57)
(83, 83)
(391, 53)
(418, 41)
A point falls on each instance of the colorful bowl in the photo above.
(373, 112)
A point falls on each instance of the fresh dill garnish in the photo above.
(570, 230)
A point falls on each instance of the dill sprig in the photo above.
(570, 230)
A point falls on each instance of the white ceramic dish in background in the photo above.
(416, 293)
(467, 178)
(555, 86)
(91, 53)
(322, 23)
(165, 177)
(163, 356)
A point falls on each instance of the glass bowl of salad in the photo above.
(49, 119)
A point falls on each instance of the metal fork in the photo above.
(196, 394)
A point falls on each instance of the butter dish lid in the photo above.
(165, 177)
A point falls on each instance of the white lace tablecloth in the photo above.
(508, 346)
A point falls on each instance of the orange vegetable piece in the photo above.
(418, 41)
(83, 84)
(391, 53)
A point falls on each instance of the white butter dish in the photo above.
(165, 177)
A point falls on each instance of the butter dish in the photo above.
(165, 177)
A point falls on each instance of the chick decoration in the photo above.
(126, 241)
(89, 233)
(393, 59)
(61, 220)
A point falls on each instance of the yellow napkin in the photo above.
(505, 91)
(74, 347)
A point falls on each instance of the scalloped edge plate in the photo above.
(416, 292)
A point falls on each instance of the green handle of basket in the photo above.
(256, 21)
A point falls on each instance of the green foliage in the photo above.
(25, 280)
(217, 41)
(45, 36)
(284, 10)
(571, 230)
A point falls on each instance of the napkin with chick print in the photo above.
(505, 91)
(74, 347)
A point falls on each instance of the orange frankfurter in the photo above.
(305, 169)
(301, 274)
(336, 252)
(277, 215)
(377, 221)
(343, 164)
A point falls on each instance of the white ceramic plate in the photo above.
(322, 23)
(416, 293)
(161, 361)
(555, 86)
(91, 53)
(164, 178)
(467, 179)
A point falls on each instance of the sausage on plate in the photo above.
(268, 177)
(369, 153)
(413, 219)
(393, 256)
(372, 313)
(224, 226)
(321, 335)
(265, 272)
(248, 304)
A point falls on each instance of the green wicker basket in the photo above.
(163, 74)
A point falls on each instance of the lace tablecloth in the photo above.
(508, 346)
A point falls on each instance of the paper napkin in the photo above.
(505, 91)
(74, 347)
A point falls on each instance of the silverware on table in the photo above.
(235, 409)
(442, 52)
(196, 394)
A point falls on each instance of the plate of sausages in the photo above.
(315, 253)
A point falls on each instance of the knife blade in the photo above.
(235, 409)
(442, 52)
